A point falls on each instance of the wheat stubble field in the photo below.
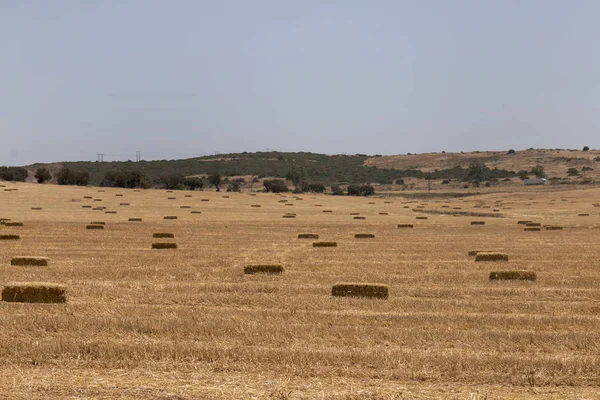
(187, 323)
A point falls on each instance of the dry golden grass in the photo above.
(189, 324)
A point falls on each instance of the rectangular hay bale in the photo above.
(164, 245)
(29, 261)
(34, 293)
(10, 237)
(513, 275)
(360, 290)
(263, 269)
(163, 235)
(325, 244)
(485, 256)
(308, 236)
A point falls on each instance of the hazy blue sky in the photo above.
(179, 78)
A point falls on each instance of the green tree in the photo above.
(477, 171)
(353, 190)
(194, 183)
(367, 190)
(538, 171)
(215, 180)
(42, 175)
(297, 175)
(172, 180)
(586, 148)
(66, 176)
(18, 174)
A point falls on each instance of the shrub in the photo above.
(336, 190)
(587, 169)
(275, 186)
(316, 188)
(42, 175)
(586, 148)
(523, 174)
(511, 151)
(572, 171)
(233, 187)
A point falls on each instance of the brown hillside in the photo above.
(555, 162)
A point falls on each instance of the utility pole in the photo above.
(138, 156)
(100, 157)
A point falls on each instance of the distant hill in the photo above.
(556, 162)
(352, 169)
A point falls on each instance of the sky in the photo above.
(177, 79)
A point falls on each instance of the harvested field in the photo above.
(189, 324)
